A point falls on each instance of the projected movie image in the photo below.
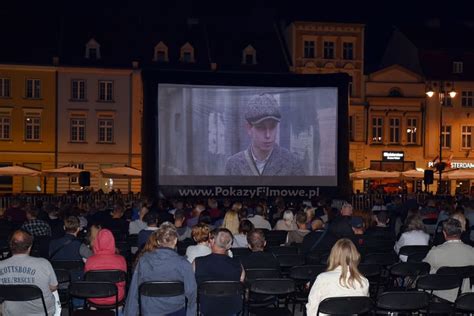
(225, 135)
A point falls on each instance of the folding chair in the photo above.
(349, 305)
(438, 282)
(111, 276)
(405, 302)
(90, 289)
(22, 293)
(159, 289)
(218, 292)
(273, 287)
(465, 303)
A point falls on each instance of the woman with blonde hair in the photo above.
(200, 234)
(231, 221)
(414, 235)
(342, 277)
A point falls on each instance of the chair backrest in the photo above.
(22, 293)
(417, 257)
(221, 288)
(306, 273)
(382, 259)
(288, 261)
(410, 250)
(463, 272)
(161, 288)
(273, 286)
(92, 289)
(403, 301)
(70, 265)
(240, 252)
(62, 275)
(411, 269)
(275, 237)
(253, 274)
(283, 250)
(349, 305)
(113, 276)
(369, 270)
(438, 282)
(465, 303)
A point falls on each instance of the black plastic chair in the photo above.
(222, 289)
(407, 273)
(382, 259)
(414, 251)
(90, 289)
(465, 303)
(302, 275)
(159, 289)
(372, 272)
(275, 237)
(438, 282)
(349, 305)
(64, 278)
(253, 274)
(288, 261)
(70, 265)
(283, 288)
(111, 276)
(240, 252)
(283, 250)
(407, 302)
(464, 272)
(22, 293)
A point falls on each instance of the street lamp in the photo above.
(442, 97)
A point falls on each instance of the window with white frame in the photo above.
(457, 67)
(32, 127)
(377, 129)
(467, 98)
(394, 128)
(412, 130)
(78, 130)
(466, 137)
(5, 87)
(446, 136)
(106, 130)
(5, 127)
(348, 50)
(328, 50)
(106, 90)
(161, 52)
(78, 89)
(75, 180)
(33, 88)
(308, 49)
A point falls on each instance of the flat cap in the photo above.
(262, 107)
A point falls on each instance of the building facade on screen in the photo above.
(324, 47)
(27, 123)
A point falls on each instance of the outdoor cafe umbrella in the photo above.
(121, 173)
(413, 174)
(374, 174)
(63, 172)
(460, 174)
(18, 171)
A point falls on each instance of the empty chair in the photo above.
(91, 290)
(289, 261)
(349, 305)
(406, 302)
(438, 282)
(222, 289)
(159, 289)
(22, 293)
(465, 303)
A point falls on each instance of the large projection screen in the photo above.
(239, 135)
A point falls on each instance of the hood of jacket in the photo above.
(104, 244)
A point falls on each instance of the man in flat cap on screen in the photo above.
(263, 157)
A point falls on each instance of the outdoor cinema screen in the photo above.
(239, 135)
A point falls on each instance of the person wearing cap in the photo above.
(263, 157)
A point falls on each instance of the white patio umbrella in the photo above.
(413, 174)
(374, 174)
(121, 173)
(63, 172)
(18, 171)
(460, 174)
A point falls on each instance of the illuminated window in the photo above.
(309, 49)
(466, 137)
(32, 127)
(446, 136)
(377, 130)
(394, 128)
(412, 130)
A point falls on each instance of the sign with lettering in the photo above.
(393, 155)
(455, 165)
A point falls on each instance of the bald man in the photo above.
(21, 268)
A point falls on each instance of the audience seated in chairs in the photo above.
(21, 268)
(36, 227)
(452, 253)
(381, 229)
(240, 240)
(200, 235)
(297, 236)
(258, 259)
(258, 220)
(287, 222)
(182, 229)
(105, 258)
(218, 266)
(414, 235)
(151, 220)
(139, 224)
(341, 279)
(158, 261)
(69, 247)
(117, 223)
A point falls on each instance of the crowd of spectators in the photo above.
(198, 241)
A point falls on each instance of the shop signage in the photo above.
(393, 155)
(455, 165)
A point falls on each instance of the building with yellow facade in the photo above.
(27, 123)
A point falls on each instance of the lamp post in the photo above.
(442, 89)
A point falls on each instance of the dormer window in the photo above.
(249, 55)
(395, 92)
(457, 67)
(92, 50)
(161, 52)
(187, 53)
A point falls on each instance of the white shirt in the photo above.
(136, 226)
(240, 241)
(193, 252)
(327, 285)
(260, 164)
(260, 222)
(411, 238)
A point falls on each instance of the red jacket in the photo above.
(104, 258)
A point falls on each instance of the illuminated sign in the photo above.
(455, 165)
(393, 155)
